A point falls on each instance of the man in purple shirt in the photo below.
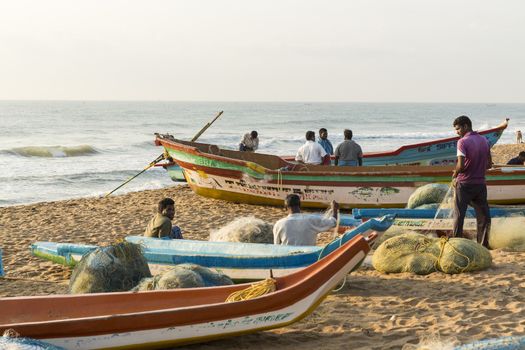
(469, 176)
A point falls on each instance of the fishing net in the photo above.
(109, 269)
(409, 252)
(391, 232)
(11, 341)
(246, 230)
(462, 255)
(419, 254)
(184, 276)
(428, 194)
(508, 234)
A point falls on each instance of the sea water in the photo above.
(52, 150)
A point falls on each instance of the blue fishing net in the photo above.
(26, 344)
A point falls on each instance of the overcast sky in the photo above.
(272, 50)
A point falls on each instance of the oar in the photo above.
(162, 156)
(158, 159)
(206, 127)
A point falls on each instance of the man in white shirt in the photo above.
(312, 152)
(249, 142)
(301, 229)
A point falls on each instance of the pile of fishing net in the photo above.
(419, 254)
(430, 196)
(184, 276)
(115, 268)
(11, 341)
(246, 230)
(508, 234)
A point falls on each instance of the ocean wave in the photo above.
(52, 151)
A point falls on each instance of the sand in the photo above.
(372, 311)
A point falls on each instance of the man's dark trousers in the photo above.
(476, 196)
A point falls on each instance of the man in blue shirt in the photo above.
(323, 141)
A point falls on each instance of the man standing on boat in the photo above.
(249, 142)
(324, 142)
(474, 159)
(301, 229)
(160, 225)
(348, 152)
(312, 152)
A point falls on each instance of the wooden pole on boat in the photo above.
(158, 159)
(163, 156)
(206, 127)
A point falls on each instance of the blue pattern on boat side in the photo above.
(504, 343)
(224, 254)
(430, 213)
(441, 153)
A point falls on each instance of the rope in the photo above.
(442, 243)
(336, 228)
(255, 290)
(280, 180)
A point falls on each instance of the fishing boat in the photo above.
(160, 319)
(255, 178)
(239, 261)
(436, 152)
(368, 213)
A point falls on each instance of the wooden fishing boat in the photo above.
(159, 319)
(239, 261)
(368, 213)
(436, 152)
(256, 178)
(446, 225)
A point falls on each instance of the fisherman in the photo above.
(474, 159)
(301, 229)
(312, 152)
(249, 142)
(323, 141)
(348, 152)
(160, 226)
(519, 160)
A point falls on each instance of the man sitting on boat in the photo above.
(301, 229)
(160, 225)
(312, 152)
(249, 142)
(324, 142)
(348, 152)
(519, 160)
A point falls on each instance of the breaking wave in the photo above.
(53, 151)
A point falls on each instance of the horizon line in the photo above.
(254, 101)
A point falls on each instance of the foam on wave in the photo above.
(53, 151)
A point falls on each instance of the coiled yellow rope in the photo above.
(255, 290)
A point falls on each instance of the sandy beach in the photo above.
(372, 311)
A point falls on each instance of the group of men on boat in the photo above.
(468, 180)
(347, 153)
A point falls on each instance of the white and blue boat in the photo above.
(402, 213)
(240, 261)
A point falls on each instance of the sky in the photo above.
(272, 50)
